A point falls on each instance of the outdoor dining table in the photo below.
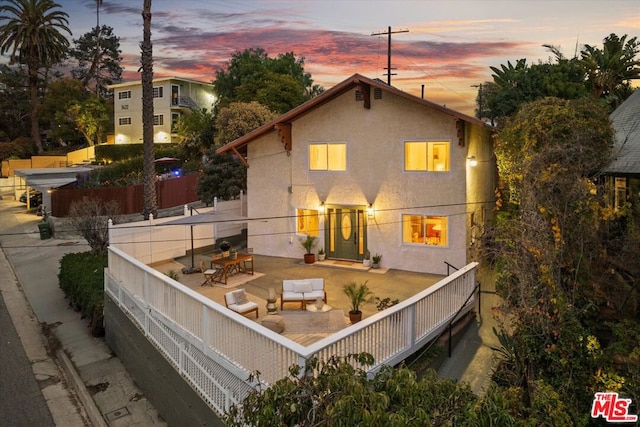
(232, 266)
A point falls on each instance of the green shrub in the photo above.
(82, 281)
(119, 152)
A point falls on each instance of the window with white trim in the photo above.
(123, 121)
(328, 156)
(425, 230)
(158, 119)
(157, 92)
(308, 222)
(426, 156)
(125, 94)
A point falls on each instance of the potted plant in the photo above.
(321, 254)
(376, 260)
(308, 244)
(366, 261)
(233, 253)
(358, 295)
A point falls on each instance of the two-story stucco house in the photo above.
(172, 96)
(365, 166)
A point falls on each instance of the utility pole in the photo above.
(389, 32)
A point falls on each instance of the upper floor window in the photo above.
(328, 157)
(426, 230)
(157, 92)
(307, 222)
(426, 156)
(158, 120)
(125, 94)
(122, 121)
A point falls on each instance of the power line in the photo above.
(283, 217)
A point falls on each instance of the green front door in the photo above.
(346, 233)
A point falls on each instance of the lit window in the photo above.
(157, 92)
(125, 94)
(426, 156)
(426, 230)
(174, 122)
(621, 192)
(123, 121)
(158, 120)
(328, 157)
(307, 222)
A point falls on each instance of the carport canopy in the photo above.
(45, 179)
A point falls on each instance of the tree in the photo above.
(337, 393)
(238, 119)
(92, 118)
(514, 85)
(60, 97)
(89, 218)
(32, 32)
(14, 103)
(549, 249)
(611, 69)
(224, 177)
(279, 83)
(97, 54)
(150, 206)
(195, 130)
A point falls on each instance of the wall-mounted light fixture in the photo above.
(370, 211)
(321, 207)
(472, 161)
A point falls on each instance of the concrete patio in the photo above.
(269, 272)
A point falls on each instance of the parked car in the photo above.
(35, 198)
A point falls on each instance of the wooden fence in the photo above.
(170, 192)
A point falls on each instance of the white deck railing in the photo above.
(215, 349)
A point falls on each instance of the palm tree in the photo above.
(148, 171)
(610, 69)
(32, 33)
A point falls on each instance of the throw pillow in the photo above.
(303, 287)
(240, 297)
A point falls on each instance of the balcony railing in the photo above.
(215, 349)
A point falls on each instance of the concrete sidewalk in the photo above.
(107, 392)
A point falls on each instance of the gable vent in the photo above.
(359, 96)
(377, 93)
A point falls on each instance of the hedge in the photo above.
(119, 152)
(82, 281)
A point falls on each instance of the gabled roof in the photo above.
(282, 124)
(626, 148)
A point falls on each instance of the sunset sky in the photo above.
(448, 48)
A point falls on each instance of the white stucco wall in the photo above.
(279, 183)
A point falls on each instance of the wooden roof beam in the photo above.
(284, 131)
(365, 89)
(240, 157)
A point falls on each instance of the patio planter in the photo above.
(309, 258)
(355, 316)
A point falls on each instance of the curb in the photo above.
(94, 414)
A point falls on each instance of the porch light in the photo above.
(370, 211)
(472, 161)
